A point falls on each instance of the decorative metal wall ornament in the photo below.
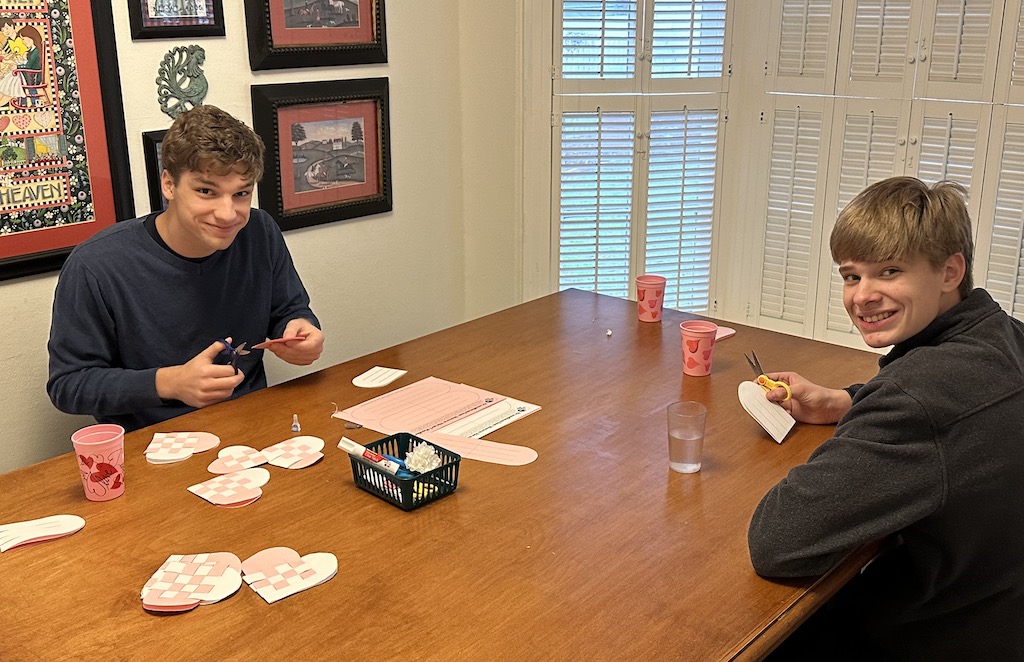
(181, 83)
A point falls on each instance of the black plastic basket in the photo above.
(406, 493)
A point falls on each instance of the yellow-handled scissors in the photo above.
(763, 380)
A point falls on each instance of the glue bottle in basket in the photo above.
(358, 450)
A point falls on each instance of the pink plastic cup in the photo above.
(650, 293)
(99, 450)
(698, 346)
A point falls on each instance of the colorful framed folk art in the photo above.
(328, 150)
(63, 156)
(314, 33)
(167, 19)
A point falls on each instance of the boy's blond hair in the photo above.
(207, 139)
(903, 218)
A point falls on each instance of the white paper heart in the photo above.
(236, 458)
(233, 490)
(168, 447)
(278, 572)
(184, 582)
(295, 453)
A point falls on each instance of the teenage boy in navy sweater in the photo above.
(141, 306)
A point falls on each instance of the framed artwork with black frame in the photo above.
(328, 150)
(151, 143)
(63, 155)
(287, 34)
(169, 19)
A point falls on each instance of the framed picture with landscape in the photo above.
(314, 33)
(328, 150)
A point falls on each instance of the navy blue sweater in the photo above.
(125, 306)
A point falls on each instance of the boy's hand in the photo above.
(810, 403)
(200, 382)
(300, 352)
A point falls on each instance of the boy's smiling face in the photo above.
(205, 211)
(894, 300)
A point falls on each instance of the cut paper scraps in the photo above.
(233, 490)
(775, 420)
(184, 582)
(17, 534)
(377, 376)
(294, 453)
(447, 414)
(167, 447)
(278, 572)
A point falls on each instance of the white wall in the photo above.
(448, 252)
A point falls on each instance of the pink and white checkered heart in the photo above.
(278, 572)
(168, 447)
(295, 453)
(233, 490)
(236, 458)
(184, 582)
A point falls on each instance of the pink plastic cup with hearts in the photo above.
(99, 450)
(698, 346)
(650, 294)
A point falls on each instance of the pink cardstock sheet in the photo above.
(419, 407)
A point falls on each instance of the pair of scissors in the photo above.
(234, 352)
(763, 380)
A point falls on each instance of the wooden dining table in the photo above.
(594, 551)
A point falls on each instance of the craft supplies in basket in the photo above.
(412, 492)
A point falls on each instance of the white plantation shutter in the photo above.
(595, 204)
(793, 183)
(637, 178)
(688, 38)
(947, 149)
(875, 62)
(961, 55)
(680, 203)
(804, 52)
(598, 38)
(1005, 277)
(1010, 85)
